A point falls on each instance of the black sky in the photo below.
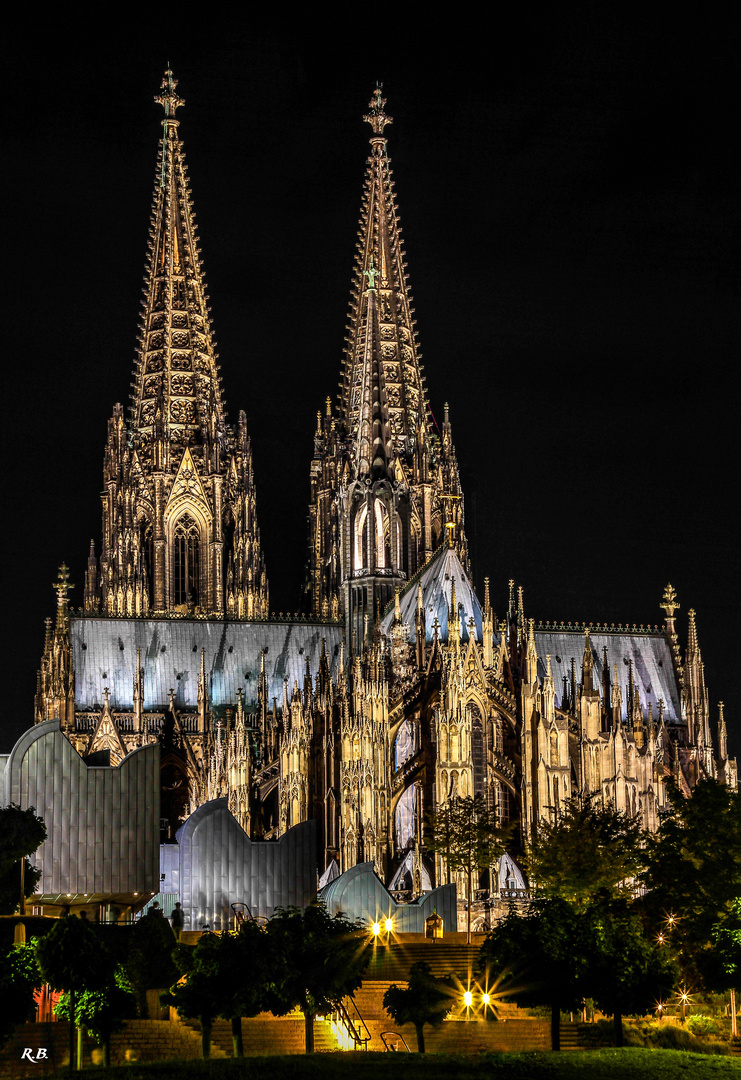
(569, 206)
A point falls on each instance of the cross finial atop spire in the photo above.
(669, 601)
(377, 118)
(167, 97)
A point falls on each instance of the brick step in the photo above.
(266, 1034)
(394, 961)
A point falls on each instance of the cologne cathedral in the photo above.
(398, 687)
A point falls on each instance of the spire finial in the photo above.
(669, 601)
(377, 118)
(167, 98)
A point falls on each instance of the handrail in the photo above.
(397, 1035)
(347, 1020)
(240, 909)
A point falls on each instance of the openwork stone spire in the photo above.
(382, 376)
(179, 521)
(177, 391)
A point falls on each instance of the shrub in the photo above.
(702, 1025)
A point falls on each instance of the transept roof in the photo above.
(442, 572)
(104, 655)
(652, 668)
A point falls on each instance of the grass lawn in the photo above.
(627, 1064)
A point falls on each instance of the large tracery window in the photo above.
(186, 561)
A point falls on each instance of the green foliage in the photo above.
(227, 975)
(694, 873)
(100, 1012)
(251, 950)
(628, 970)
(702, 1025)
(21, 833)
(199, 994)
(149, 964)
(426, 1000)
(19, 977)
(466, 836)
(319, 959)
(601, 1064)
(726, 957)
(540, 957)
(590, 849)
(73, 956)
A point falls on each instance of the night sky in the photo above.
(570, 219)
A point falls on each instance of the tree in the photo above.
(627, 969)
(246, 971)
(319, 959)
(540, 958)
(149, 964)
(19, 977)
(100, 1012)
(726, 973)
(200, 994)
(426, 1000)
(21, 833)
(693, 874)
(588, 850)
(72, 957)
(466, 836)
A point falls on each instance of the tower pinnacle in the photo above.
(167, 98)
(377, 118)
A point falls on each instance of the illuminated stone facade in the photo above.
(398, 688)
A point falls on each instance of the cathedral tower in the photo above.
(179, 524)
(384, 488)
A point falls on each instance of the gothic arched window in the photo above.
(186, 561)
(360, 538)
(554, 747)
(477, 748)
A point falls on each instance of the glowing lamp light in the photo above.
(388, 924)
(468, 998)
(376, 929)
(485, 998)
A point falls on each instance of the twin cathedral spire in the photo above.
(385, 489)
(180, 530)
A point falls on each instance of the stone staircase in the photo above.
(391, 963)
(461, 1034)
(266, 1034)
(570, 1039)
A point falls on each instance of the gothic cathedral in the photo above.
(398, 688)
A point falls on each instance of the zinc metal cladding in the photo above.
(104, 655)
(653, 671)
(102, 823)
(437, 581)
(361, 892)
(219, 865)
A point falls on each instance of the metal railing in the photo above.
(354, 1026)
(395, 1035)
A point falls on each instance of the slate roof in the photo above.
(104, 654)
(436, 580)
(653, 671)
